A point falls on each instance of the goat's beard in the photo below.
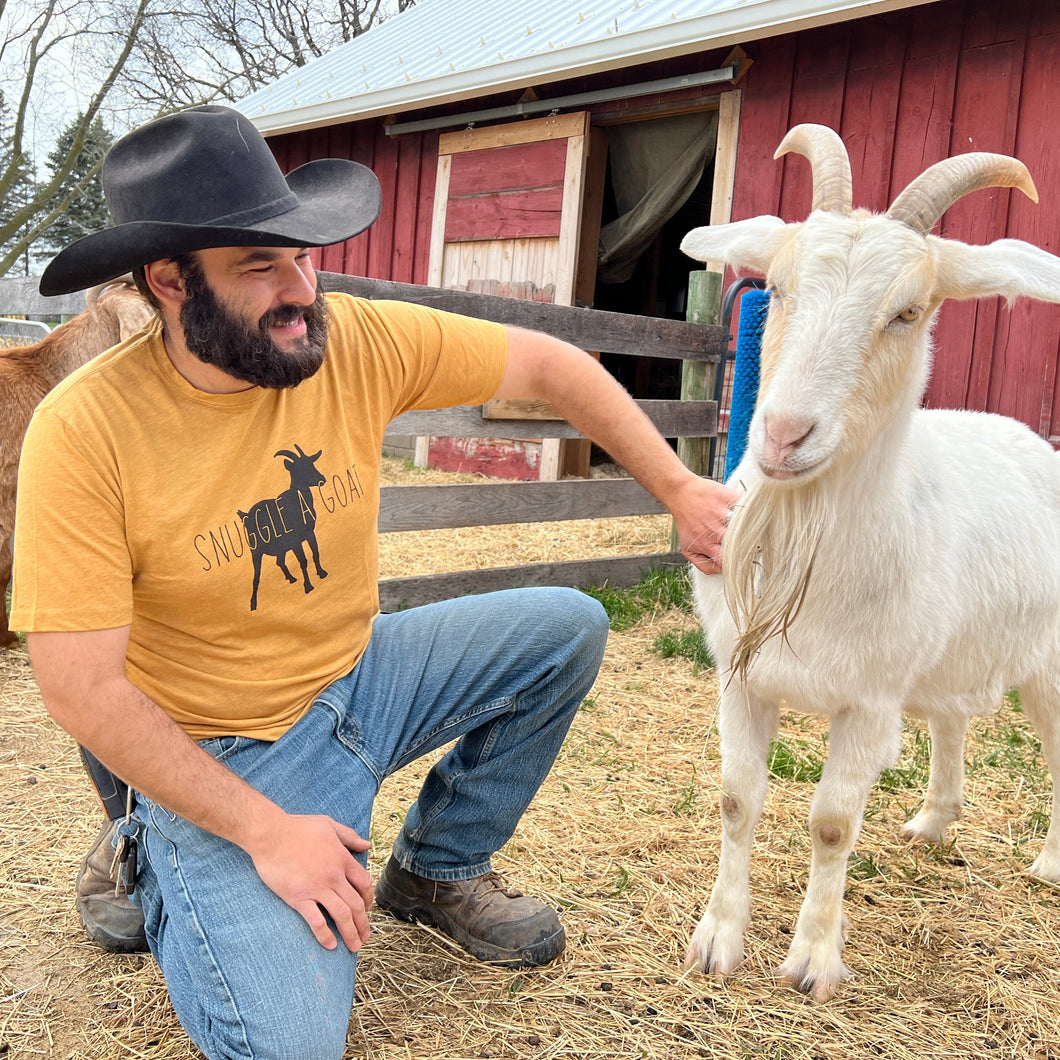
(770, 547)
(220, 337)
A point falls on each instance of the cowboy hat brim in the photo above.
(337, 199)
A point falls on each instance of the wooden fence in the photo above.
(431, 507)
(493, 503)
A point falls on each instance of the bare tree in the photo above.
(225, 49)
(43, 45)
(128, 61)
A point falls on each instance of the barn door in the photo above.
(508, 221)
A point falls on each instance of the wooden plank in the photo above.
(925, 111)
(408, 195)
(725, 160)
(984, 120)
(874, 79)
(673, 419)
(519, 409)
(592, 329)
(436, 507)
(764, 113)
(1035, 329)
(570, 226)
(396, 594)
(436, 260)
(520, 167)
(555, 126)
(532, 214)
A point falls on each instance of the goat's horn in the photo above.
(928, 197)
(285, 452)
(828, 159)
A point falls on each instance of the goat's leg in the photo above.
(283, 567)
(746, 724)
(257, 578)
(1040, 698)
(945, 792)
(311, 537)
(862, 743)
(299, 554)
(7, 638)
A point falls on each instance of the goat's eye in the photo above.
(908, 315)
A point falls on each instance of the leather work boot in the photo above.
(491, 920)
(111, 920)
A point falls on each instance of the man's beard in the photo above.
(217, 336)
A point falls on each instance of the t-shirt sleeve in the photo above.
(437, 359)
(72, 566)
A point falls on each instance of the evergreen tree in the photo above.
(21, 189)
(81, 189)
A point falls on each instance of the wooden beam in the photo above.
(592, 329)
(396, 594)
(438, 507)
(672, 419)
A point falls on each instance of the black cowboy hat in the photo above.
(206, 178)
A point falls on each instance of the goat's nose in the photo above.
(784, 433)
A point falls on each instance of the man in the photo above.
(255, 716)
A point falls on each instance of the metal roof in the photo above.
(440, 51)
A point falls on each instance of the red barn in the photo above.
(560, 150)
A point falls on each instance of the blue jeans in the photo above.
(502, 673)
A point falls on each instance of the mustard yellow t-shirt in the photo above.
(145, 502)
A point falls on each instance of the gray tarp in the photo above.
(655, 166)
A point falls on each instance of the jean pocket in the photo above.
(224, 747)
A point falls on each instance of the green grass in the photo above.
(684, 644)
(660, 590)
(911, 771)
(794, 761)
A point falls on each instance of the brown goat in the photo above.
(27, 373)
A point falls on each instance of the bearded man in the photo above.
(253, 726)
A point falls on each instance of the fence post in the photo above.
(697, 377)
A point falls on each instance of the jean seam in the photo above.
(357, 749)
(220, 986)
(459, 724)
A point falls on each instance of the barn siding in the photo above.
(904, 90)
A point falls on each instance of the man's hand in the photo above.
(701, 517)
(309, 864)
(307, 861)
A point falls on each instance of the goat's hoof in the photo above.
(1046, 867)
(713, 950)
(820, 990)
(925, 827)
(820, 984)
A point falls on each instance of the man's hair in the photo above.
(185, 264)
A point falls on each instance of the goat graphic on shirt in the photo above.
(286, 523)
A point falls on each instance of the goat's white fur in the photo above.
(914, 555)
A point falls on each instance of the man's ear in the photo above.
(166, 284)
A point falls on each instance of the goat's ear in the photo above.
(1009, 267)
(752, 243)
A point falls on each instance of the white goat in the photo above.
(115, 311)
(884, 558)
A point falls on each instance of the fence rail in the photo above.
(434, 507)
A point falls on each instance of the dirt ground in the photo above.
(954, 951)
